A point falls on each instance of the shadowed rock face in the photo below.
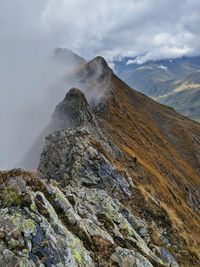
(73, 111)
(116, 180)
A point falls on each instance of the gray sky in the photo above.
(31, 29)
(160, 28)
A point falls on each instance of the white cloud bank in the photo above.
(156, 29)
(30, 30)
(114, 28)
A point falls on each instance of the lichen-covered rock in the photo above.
(69, 157)
(167, 257)
(73, 226)
(129, 258)
(88, 177)
(30, 238)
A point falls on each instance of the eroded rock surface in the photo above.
(69, 226)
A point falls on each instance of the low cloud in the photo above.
(30, 30)
(156, 29)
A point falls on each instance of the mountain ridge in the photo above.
(117, 183)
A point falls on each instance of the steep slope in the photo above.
(119, 183)
(161, 80)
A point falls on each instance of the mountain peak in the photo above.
(97, 69)
(94, 79)
(73, 111)
(66, 56)
(75, 93)
(100, 61)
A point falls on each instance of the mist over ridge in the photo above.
(30, 31)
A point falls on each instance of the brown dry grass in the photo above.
(169, 158)
(30, 177)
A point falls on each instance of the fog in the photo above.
(30, 31)
(27, 101)
(29, 75)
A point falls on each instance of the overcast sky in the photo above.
(159, 28)
(31, 29)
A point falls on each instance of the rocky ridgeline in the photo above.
(71, 212)
(94, 78)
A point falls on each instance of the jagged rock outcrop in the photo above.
(71, 153)
(73, 111)
(44, 223)
(32, 234)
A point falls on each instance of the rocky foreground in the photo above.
(96, 199)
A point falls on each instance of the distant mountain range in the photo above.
(175, 83)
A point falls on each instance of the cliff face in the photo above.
(117, 184)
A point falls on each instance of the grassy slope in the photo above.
(166, 145)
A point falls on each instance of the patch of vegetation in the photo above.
(30, 177)
(10, 197)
